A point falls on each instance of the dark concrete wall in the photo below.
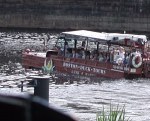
(110, 15)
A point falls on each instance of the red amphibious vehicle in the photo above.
(88, 53)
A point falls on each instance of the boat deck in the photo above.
(38, 54)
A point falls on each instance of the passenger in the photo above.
(60, 52)
(79, 53)
(107, 57)
(104, 56)
(83, 53)
(127, 57)
(119, 61)
(87, 54)
(116, 55)
(121, 56)
(74, 53)
(111, 55)
(134, 52)
(96, 55)
(83, 44)
(69, 52)
(91, 56)
(121, 53)
(64, 47)
(101, 57)
(66, 44)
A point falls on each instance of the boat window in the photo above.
(71, 43)
(51, 52)
(60, 42)
(92, 45)
(79, 43)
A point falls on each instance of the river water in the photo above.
(82, 97)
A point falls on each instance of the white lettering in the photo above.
(120, 68)
(83, 68)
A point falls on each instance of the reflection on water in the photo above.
(85, 99)
(82, 97)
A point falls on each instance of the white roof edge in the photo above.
(104, 35)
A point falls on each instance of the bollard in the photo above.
(42, 87)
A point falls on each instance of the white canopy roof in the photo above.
(105, 36)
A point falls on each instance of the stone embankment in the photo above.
(101, 15)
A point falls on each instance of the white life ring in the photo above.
(134, 63)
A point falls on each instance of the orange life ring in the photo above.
(137, 61)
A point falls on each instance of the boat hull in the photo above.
(81, 67)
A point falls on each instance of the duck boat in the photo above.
(96, 54)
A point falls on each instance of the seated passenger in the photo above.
(101, 57)
(87, 54)
(121, 56)
(107, 57)
(126, 59)
(79, 53)
(69, 52)
(60, 52)
(83, 44)
(73, 53)
(121, 52)
(135, 52)
(83, 53)
(95, 56)
(119, 61)
(111, 56)
(116, 56)
(76, 53)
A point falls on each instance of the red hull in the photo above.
(83, 67)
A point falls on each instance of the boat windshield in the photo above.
(61, 41)
(71, 44)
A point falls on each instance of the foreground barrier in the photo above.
(29, 108)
